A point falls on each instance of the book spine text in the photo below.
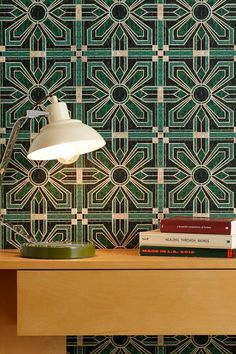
(186, 252)
(187, 240)
(195, 226)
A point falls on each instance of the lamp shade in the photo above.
(64, 138)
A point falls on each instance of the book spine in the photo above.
(187, 240)
(196, 226)
(186, 252)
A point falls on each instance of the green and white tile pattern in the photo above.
(157, 79)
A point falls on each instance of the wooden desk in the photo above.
(115, 293)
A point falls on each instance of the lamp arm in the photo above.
(23, 234)
(11, 142)
(10, 146)
(7, 156)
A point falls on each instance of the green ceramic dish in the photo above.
(57, 250)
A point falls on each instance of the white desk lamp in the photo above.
(63, 139)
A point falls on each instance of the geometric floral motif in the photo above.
(110, 92)
(36, 192)
(194, 17)
(120, 178)
(209, 95)
(119, 187)
(41, 180)
(22, 88)
(115, 344)
(199, 344)
(131, 18)
(201, 180)
(45, 22)
(153, 345)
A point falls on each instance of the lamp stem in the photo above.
(10, 146)
(29, 238)
(7, 156)
(41, 100)
(11, 142)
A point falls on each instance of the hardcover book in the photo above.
(157, 238)
(226, 226)
(186, 252)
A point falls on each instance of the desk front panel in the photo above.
(126, 302)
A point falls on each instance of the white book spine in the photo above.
(187, 240)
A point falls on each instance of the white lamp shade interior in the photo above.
(64, 139)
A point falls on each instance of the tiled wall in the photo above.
(156, 79)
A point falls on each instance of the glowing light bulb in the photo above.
(66, 154)
(68, 161)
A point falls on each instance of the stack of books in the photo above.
(190, 237)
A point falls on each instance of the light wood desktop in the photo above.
(117, 292)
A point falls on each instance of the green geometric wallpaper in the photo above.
(157, 79)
